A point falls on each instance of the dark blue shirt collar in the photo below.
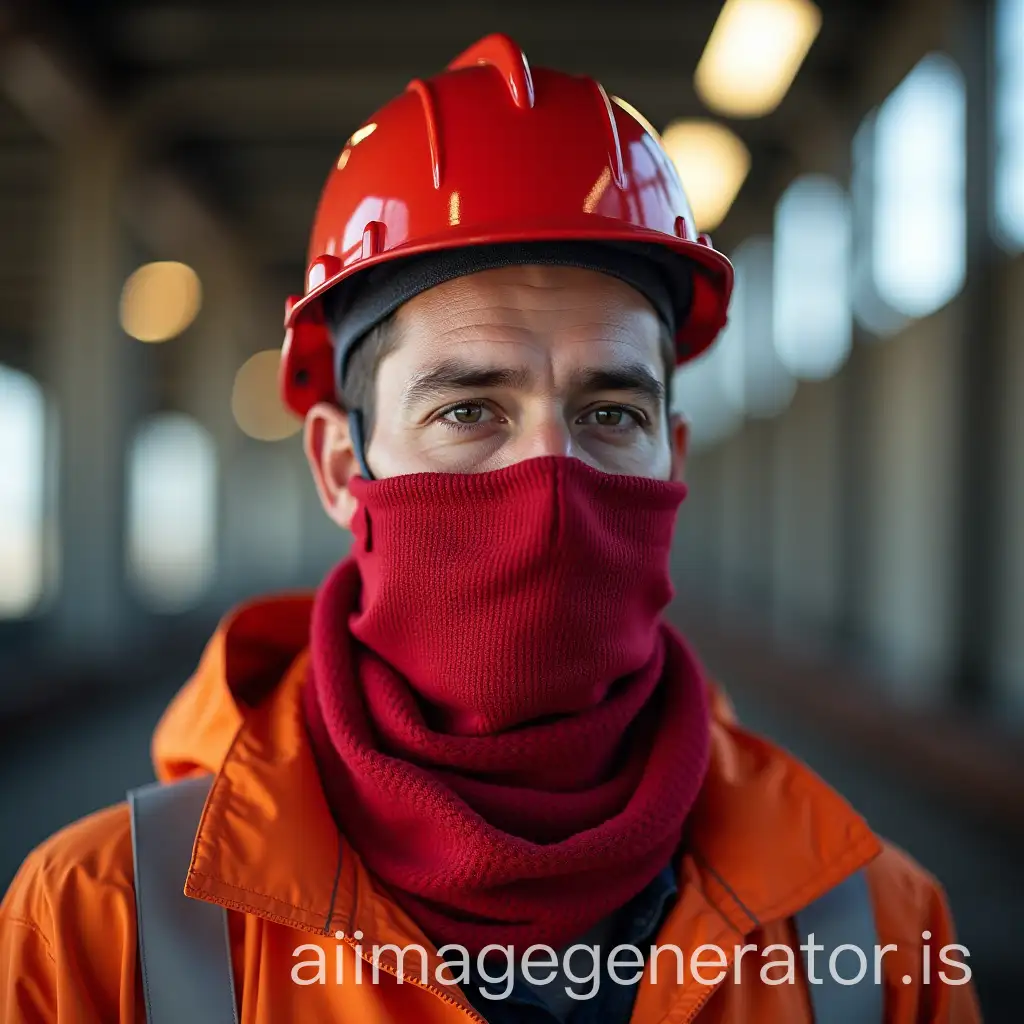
(634, 924)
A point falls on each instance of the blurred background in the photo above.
(850, 561)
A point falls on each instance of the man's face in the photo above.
(505, 365)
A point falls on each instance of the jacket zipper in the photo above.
(472, 1014)
(383, 965)
(709, 991)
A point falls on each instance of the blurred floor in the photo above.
(68, 764)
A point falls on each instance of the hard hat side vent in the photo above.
(422, 90)
(612, 131)
(507, 58)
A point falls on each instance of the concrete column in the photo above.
(747, 518)
(983, 361)
(911, 425)
(695, 549)
(88, 370)
(1008, 624)
(853, 464)
(806, 514)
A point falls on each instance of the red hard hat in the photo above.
(490, 151)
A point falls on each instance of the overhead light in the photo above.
(712, 162)
(159, 301)
(754, 53)
(255, 400)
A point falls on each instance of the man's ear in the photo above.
(679, 442)
(332, 459)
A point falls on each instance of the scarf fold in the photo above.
(507, 733)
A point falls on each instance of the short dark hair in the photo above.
(358, 388)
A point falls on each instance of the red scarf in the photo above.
(507, 733)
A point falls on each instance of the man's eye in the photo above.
(465, 415)
(613, 416)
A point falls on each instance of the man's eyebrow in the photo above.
(453, 374)
(635, 378)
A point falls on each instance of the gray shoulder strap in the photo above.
(843, 916)
(183, 942)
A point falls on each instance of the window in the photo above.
(22, 493)
(919, 218)
(1009, 126)
(812, 271)
(877, 318)
(172, 511)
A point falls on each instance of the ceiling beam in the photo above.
(355, 34)
(50, 87)
(281, 106)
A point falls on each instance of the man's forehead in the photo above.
(528, 362)
(482, 339)
(528, 295)
(564, 355)
(497, 336)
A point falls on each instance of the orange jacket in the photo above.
(766, 838)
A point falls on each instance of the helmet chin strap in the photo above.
(356, 433)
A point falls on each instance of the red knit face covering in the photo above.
(507, 734)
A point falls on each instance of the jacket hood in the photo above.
(248, 655)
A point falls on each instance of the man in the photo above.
(476, 776)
